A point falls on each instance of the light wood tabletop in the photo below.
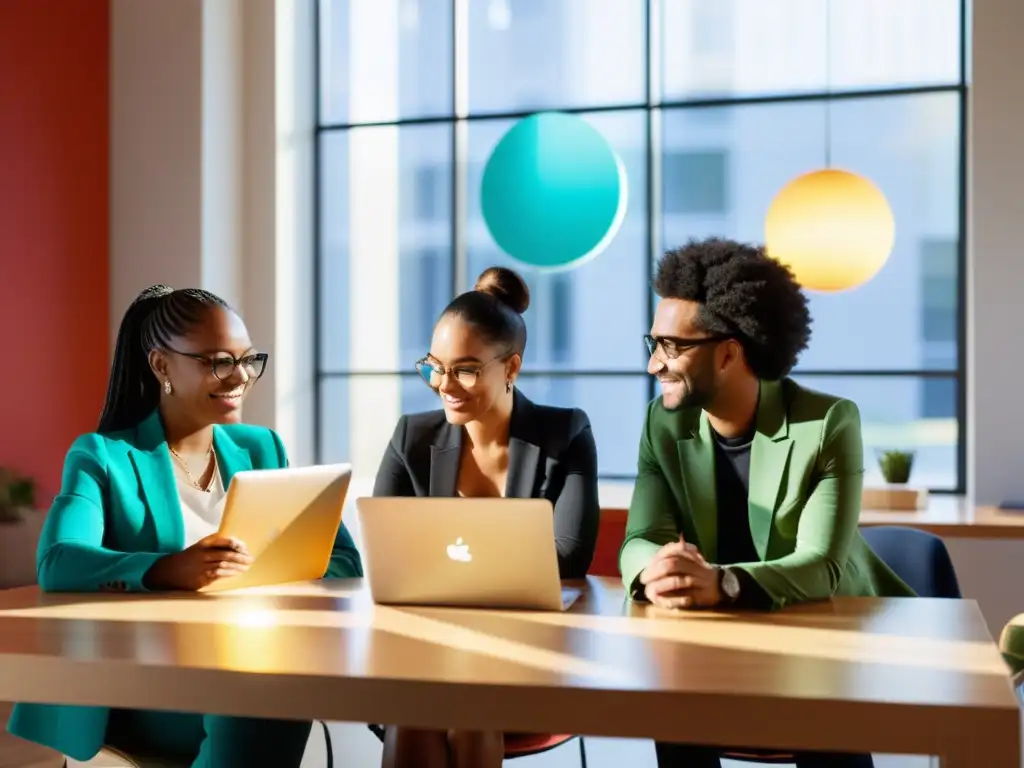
(946, 515)
(915, 676)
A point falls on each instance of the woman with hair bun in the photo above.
(488, 440)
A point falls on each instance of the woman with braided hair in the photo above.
(139, 509)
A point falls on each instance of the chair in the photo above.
(522, 744)
(110, 757)
(529, 744)
(605, 563)
(920, 559)
(610, 535)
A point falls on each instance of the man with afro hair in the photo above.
(749, 485)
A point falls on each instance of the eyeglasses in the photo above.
(224, 367)
(673, 347)
(467, 374)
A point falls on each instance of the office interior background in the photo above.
(220, 144)
(712, 108)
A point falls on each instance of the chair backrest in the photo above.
(918, 557)
(610, 536)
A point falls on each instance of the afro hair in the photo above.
(744, 293)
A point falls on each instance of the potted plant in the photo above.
(896, 466)
(16, 494)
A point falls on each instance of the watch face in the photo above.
(730, 584)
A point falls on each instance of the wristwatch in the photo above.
(728, 584)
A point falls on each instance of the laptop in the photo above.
(288, 519)
(472, 553)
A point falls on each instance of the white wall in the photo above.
(211, 175)
(996, 264)
(156, 147)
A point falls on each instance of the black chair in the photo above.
(918, 557)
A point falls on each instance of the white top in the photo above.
(201, 511)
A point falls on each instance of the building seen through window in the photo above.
(745, 95)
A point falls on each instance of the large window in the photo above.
(712, 107)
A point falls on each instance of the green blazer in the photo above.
(806, 476)
(118, 513)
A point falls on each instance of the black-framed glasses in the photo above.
(223, 367)
(672, 347)
(466, 374)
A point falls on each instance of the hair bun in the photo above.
(506, 286)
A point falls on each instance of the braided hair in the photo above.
(157, 315)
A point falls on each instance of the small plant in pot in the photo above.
(17, 493)
(896, 466)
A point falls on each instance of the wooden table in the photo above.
(915, 676)
(946, 515)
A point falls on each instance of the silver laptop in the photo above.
(483, 553)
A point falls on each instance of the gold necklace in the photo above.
(188, 473)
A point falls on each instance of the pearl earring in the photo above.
(167, 386)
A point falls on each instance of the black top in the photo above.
(732, 487)
(551, 455)
(732, 484)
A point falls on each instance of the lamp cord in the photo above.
(828, 84)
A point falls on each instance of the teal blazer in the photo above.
(118, 513)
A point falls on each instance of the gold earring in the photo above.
(508, 385)
(167, 386)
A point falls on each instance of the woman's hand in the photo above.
(209, 559)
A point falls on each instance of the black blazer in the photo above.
(551, 455)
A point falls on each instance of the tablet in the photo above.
(287, 519)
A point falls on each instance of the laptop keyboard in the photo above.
(569, 596)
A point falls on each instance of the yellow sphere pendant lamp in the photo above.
(833, 228)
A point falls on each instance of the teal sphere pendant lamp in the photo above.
(554, 193)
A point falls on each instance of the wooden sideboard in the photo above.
(947, 516)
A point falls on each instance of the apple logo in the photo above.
(459, 551)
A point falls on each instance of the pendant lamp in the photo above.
(833, 228)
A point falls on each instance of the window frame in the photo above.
(459, 117)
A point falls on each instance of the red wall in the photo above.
(54, 211)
